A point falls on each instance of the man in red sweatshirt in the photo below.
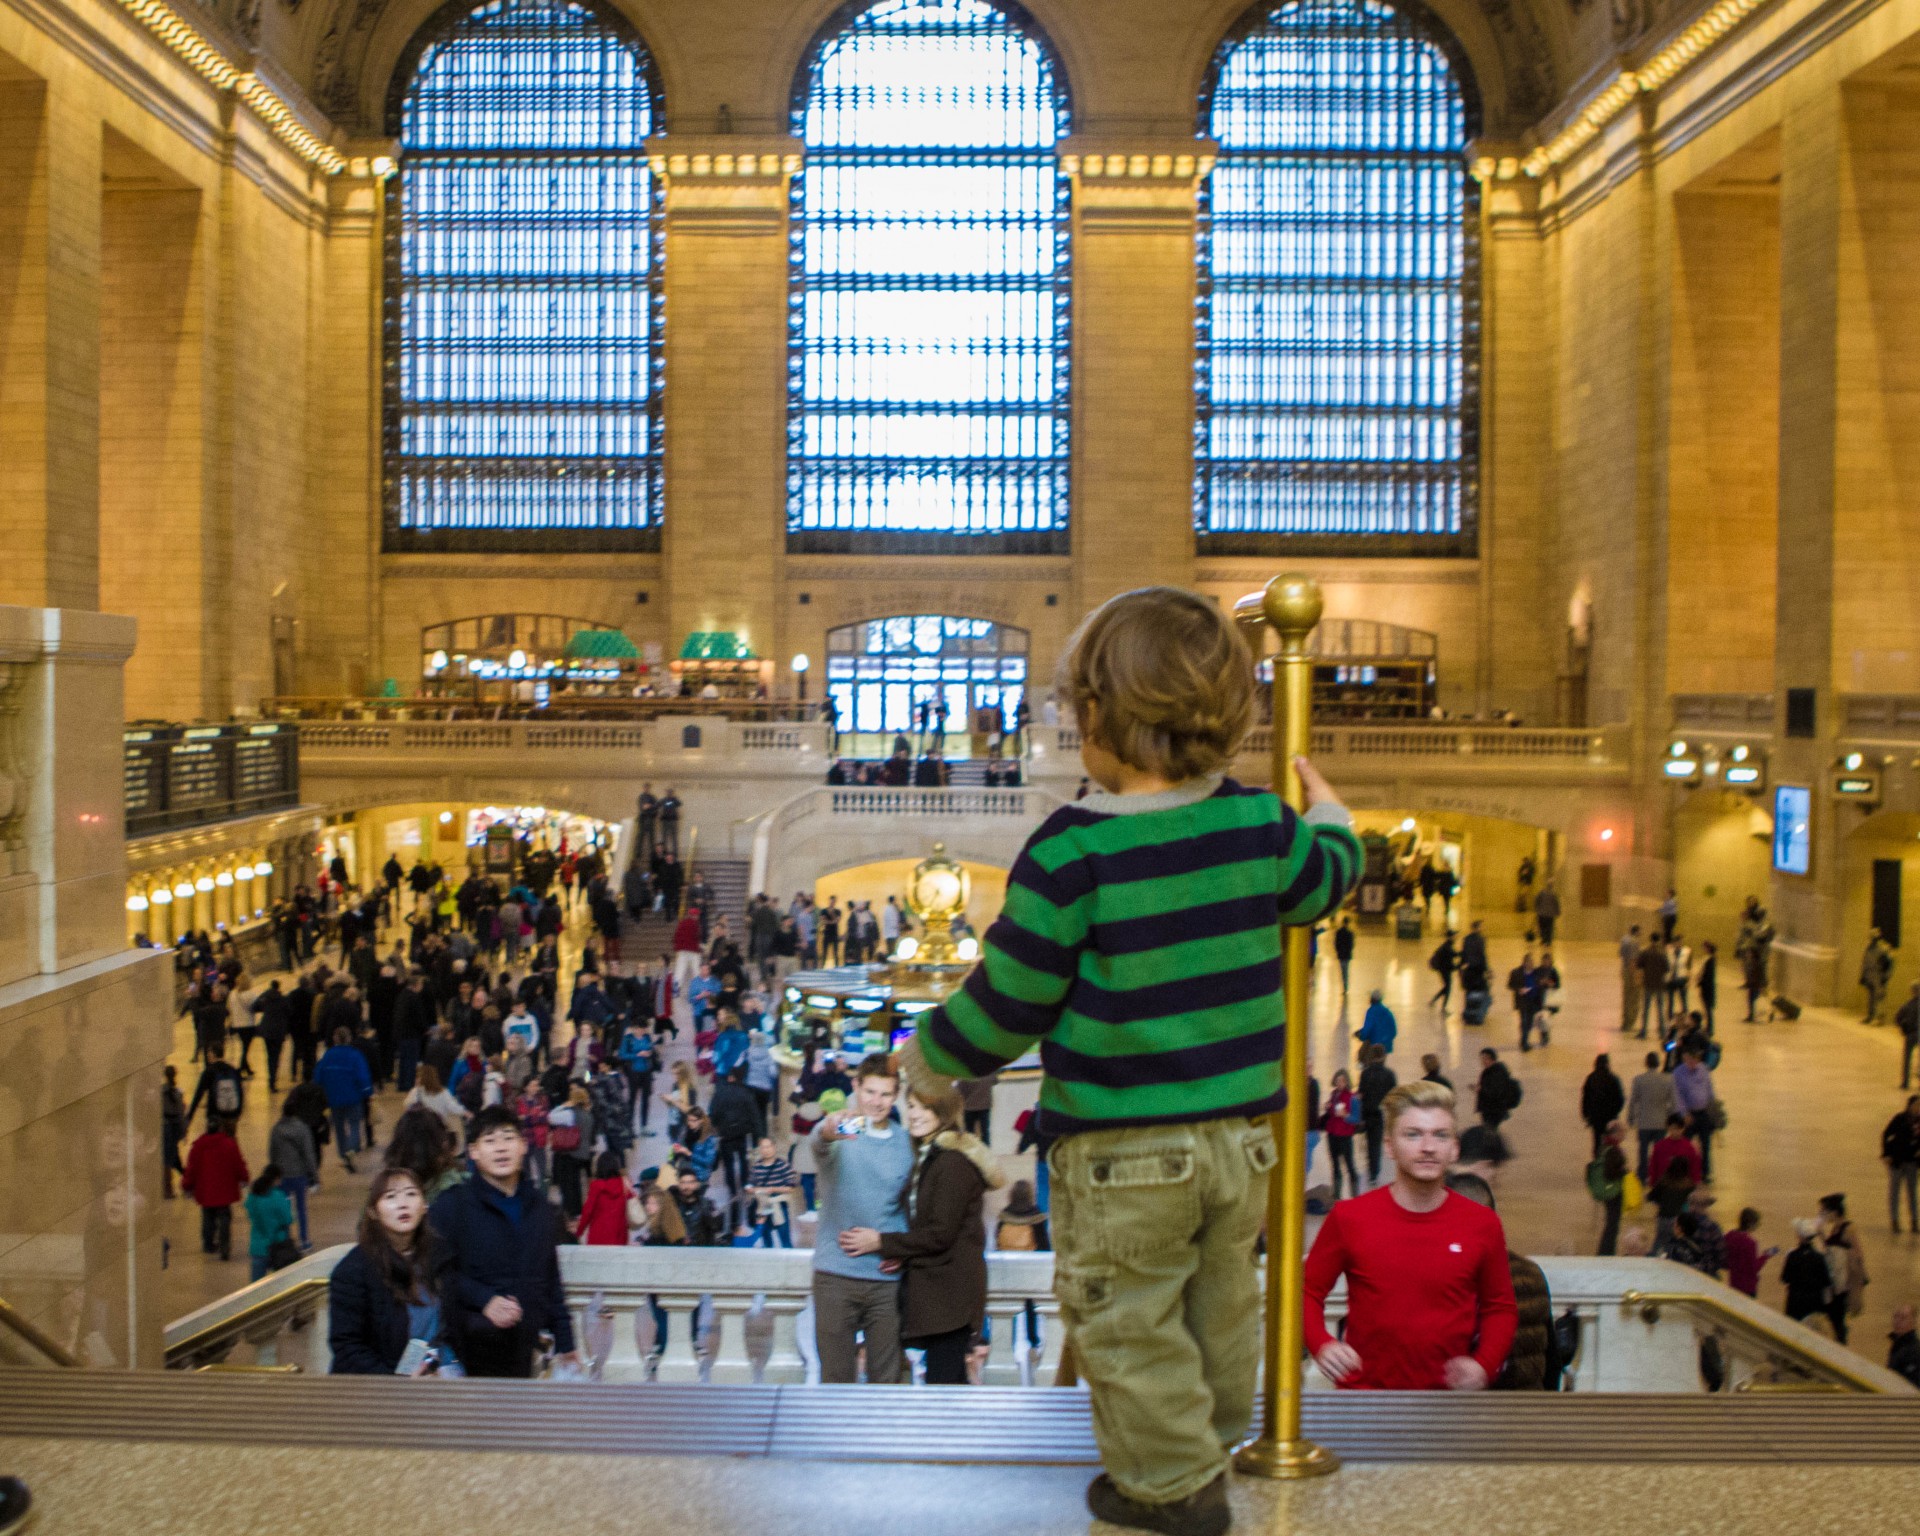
(1429, 1297)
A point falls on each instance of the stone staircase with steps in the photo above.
(653, 935)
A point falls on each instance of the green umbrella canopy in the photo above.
(601, 645)
(715, 645)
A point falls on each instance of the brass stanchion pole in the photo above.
(1291, 604)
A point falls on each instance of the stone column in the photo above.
(50, 148)
(1134, 207)
(1849, 469)
(724, 544)
(340, 613)
(64, 878)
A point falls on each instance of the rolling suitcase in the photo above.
(1477, 1005)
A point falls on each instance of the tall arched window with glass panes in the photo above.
(523, 295)
(928, 400)
(1338, 363)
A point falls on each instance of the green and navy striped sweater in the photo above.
(1140, 947)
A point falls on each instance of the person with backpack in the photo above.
(1497, 1094)
(220, 1087)
(216, 1176)
(1607, 1176)
(1340, 1120)
(570, 1133)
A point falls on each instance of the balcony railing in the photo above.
(1880, 716)
(559, 707)
(1746, 713)
(189, 775)
(744, 1315)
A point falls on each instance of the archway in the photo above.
(924, 675)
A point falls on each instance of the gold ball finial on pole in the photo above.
(1292, 605)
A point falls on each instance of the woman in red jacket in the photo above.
(603, 1216)
(216, 1176)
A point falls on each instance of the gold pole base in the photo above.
(1288, 1460)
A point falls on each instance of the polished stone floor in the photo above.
(91, 1487)
(1806, 1103)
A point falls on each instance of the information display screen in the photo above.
(1792, 829)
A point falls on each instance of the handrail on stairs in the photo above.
(1649, 1303)
(17, 1324)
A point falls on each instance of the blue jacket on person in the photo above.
(343, 1076)
(1379, 1027)
(729, 1051)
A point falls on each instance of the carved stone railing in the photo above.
(745, 1315)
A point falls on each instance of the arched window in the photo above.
(523, 292)
(883, 674)
(1339, 333)
(928, 392)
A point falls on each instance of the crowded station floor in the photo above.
(1806, 1102)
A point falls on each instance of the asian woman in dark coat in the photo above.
(387, 1290)
(943, 1250)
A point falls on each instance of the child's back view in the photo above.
(1140, 945)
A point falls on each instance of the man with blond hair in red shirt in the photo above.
(1429, 1296)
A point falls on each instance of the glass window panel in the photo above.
(929, 375)
(1337, 317)
(524, 255)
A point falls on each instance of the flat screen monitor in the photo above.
(1792, 829)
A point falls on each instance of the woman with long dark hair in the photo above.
(944, 1247)
(424, 1146)
(387, 1292)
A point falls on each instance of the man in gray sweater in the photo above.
(1650, 1100)
(864, 1160)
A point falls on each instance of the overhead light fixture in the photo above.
(1407, 825)
(1678, 749)
(263, 869)
(136, 903)
(184, 890)
(225, 877)
(1740, 754)
(516, 659)
(204, 883)
(1853, 762)
(1606, 834)
(163, 897)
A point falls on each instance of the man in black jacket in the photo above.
(1601, 1100)
(270, 1008)
(413, 1015)
(220, 1086)
(1900, 1151)
(737, 1121)
(504, 1240)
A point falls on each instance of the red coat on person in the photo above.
(686, 932)
(216, 1172)
(603, 1217)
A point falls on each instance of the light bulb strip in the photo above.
(214, 67)
(1689, 47)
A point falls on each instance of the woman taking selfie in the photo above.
(944, 1247)
(383, 1304)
